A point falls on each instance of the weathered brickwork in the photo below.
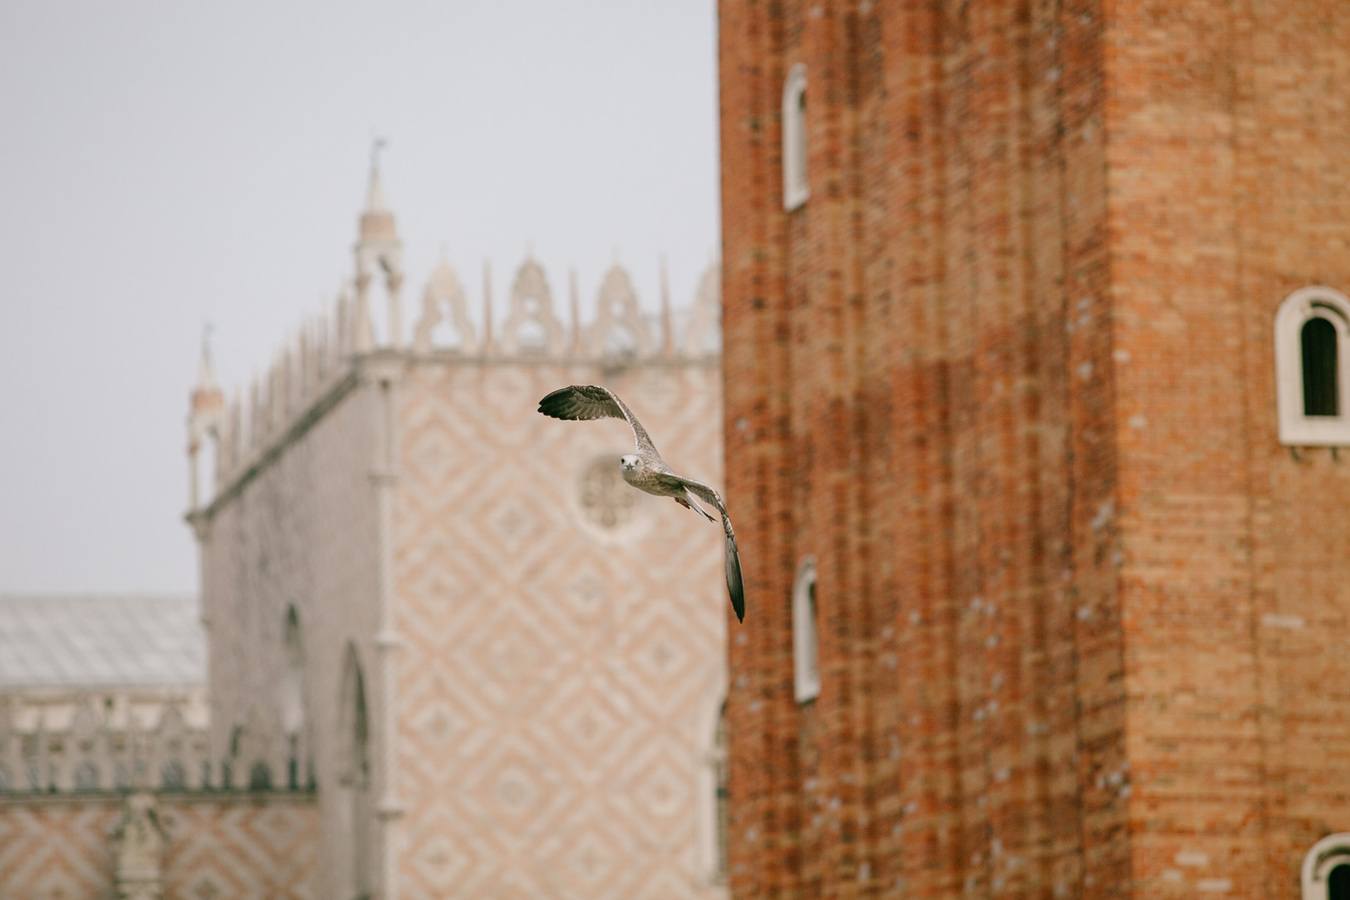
(1007, 375)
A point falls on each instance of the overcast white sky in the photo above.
(165, 163)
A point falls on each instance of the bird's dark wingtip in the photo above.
(735, 584)
(551, 404)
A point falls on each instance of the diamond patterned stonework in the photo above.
(591, 638)
(509, 662)
(215, 847)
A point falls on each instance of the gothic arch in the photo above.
(618, 330)
(354, 774)
(354, 721)
(294, 718)
(444, 302)
(531, 326)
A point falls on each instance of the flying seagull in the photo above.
(646, 470)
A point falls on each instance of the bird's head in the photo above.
(628, 462)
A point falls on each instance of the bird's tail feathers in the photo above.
(735, 584)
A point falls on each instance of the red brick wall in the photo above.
(1229, 161)
(1007, 375)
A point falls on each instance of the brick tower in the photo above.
(1036, 374)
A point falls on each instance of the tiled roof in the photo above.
(100, 640)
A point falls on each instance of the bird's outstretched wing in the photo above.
(735, 585)
(591, 401)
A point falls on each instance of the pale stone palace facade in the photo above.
(443, 604)
(450, 654)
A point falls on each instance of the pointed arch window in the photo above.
(354, 745)
(1326, 869)
(796, 188)
(1312, 343)
(805, 643)
(293, 698)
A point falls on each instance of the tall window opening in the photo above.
(1325, 872)
(355, 744)
(1319, 368)
(293, 697)
(796, 187)
(805, 643)
(1338, 884)
(1312, 338)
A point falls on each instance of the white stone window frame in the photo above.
(1328, 853)
(805, 634)
(796, 187)
(1297, 429)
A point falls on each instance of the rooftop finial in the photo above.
(487, 306)
(206, 372)
(574, 297)
(375, 201)
(667, 329)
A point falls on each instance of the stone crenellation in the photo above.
(451, 610)
(325, 350)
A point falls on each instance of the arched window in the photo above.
(354, 745)
(293, 696)
(795, 185)
(532, 336)
(1319, 368)
(805, 644)
(1326, 869)
(1312, 339)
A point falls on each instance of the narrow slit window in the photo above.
(1320, 397)
(1338, 884)
(805, 639)
(799, 136)
(812, 662)
(795, 185)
